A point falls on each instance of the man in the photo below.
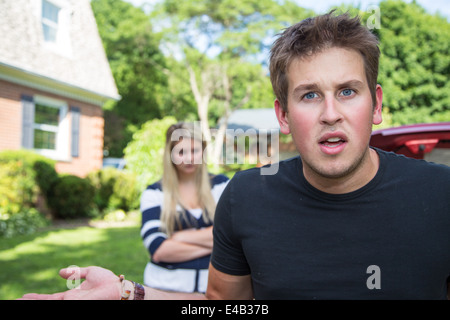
(343, 220)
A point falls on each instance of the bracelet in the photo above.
(139, 291)
(131, 290)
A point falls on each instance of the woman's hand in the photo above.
(100, 284)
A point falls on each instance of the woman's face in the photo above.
(187, 155)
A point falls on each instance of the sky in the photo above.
(321, 6)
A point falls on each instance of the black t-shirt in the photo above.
(387, 240)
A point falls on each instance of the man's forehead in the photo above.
(335, 64)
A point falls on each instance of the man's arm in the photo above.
(222, 286)
(103, 284)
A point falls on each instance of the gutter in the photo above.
(40, 82)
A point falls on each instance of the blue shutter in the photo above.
(27, 122)
(76, 115)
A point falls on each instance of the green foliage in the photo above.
(178, 99)
(126, 195)
(137, 66)
(114, 189)
(24, 176)
(415, 63)
(25, 180)
(17, 190)
(144, 154)
(24, 222)
(71, 197)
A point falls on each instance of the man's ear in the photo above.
(282, 117)
(377, 118)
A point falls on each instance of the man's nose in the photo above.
(331, 113)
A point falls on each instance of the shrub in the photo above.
(25, 180)
(103, 182)
(71, 197)
(25, 175)
(126, 192)
(144, 153)
(31, 160)
(114, 189)
(21, 223)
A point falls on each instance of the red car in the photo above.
(429, 141)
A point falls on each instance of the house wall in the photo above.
(91, 128)
(80, 60)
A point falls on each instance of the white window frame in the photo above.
(50, 23)
(61, 153)
(62, 45)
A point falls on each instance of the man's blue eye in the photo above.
(310, 95)
(347, 92)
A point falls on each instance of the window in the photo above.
(56, 20)
(45, 126)
(50, 18)
(46, 122)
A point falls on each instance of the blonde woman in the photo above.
(178, 212)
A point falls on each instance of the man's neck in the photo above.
(352, 181)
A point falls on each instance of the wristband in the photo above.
(139, 291)
(131, 290)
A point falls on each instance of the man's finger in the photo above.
(37, 296)
(78, 272)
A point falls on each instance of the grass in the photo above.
(31, 263)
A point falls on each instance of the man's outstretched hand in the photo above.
(100, 284)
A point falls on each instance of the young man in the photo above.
(343, 220)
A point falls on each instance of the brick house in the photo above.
(54, 80)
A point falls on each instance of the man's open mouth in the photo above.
(332, 142)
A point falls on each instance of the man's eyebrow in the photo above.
(314, 87)
(351, 84)
(305, 87)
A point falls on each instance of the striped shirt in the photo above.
(187, 276)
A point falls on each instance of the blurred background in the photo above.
(88, 88)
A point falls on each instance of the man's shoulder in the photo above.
(409, 168)
(218, 179)
(411, 163)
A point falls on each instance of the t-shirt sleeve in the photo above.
(227, 255)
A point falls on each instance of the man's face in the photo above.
(330, 112)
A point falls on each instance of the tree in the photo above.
(144, 153)
(137, 65)
(221, 44)
(415, 63)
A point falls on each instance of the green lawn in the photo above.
(31, 263)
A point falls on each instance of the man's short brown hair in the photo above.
(313, 35)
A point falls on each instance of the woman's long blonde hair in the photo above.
(170, 218)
